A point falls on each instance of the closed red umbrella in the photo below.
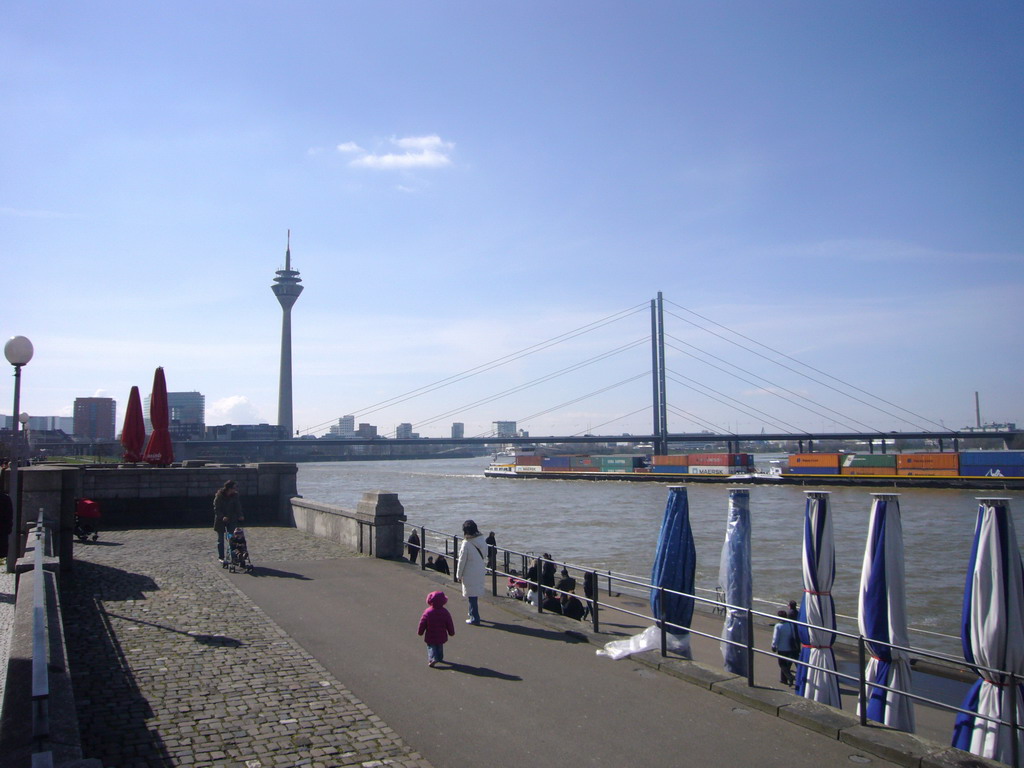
(133, 433)
(159, 451)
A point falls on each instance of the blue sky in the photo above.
(839, 181)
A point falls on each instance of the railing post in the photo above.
(423, 548)
(593, 603)
(862, 693)
(455, 557)
(750, 647)
(1014, 717)
(661, 622)
(540, 597)
(494, 580)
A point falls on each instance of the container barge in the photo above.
(982, 470)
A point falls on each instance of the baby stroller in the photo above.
(87, 515)
(238, 559)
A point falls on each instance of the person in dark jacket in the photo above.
(227, 513)
(441, 565)
(589, 592)
(413, 546)
(547, 576)
(571, 605)
(492, 551)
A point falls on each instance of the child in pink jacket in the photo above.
(435, 627)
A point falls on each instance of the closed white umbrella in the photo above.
(818, 608)
(993, 636)
(882, 615)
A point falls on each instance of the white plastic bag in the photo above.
(648, 640)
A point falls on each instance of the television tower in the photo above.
(287, 290)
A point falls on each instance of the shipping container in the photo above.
(528, 461)
(992, 458)
(806, 470)
(825, 460)
(555, 462)
(991, 470)
(674, 460)
(529, 468)
(669, 469)
(928, 461)
(890, 471)
(869, 460)
(708, 470)
(918, 472)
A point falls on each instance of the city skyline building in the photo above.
(458, 430)
(504, 429)
(287, 289)
(187, 413)
(345, 428)
(95, 417)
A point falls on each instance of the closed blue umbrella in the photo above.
(993, 636)
(882, 615)
(736, 581)
(818, 608)
(675, 565)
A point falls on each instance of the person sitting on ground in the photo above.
(571, 605)
(430, 564)
(551, 602)
(441, 565)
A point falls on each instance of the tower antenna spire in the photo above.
(288, 253)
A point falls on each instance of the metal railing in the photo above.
(42, 756)
(638, 587)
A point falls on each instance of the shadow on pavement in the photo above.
(480, 671)
(260, 571)
(568, 636)
(99, 665)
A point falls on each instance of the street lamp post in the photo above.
(18, 351)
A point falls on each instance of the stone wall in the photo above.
(375, 528)
(149, 497)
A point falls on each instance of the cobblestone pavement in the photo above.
(173, 666)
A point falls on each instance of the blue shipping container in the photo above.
(989, 470)
(670, 470)
(555, 462)
(813, 471)
(992, 458)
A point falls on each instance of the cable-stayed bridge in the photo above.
(774, 427)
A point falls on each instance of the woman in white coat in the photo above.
(472, 568)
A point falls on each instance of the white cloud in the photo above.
(235, 409)
(419, 152)
(350, 146)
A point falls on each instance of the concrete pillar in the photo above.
(387, 516)
(54, 490)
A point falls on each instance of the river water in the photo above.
(614, 526)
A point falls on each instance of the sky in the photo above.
(829, 197)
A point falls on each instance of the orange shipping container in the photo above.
(867, 471)
(928, 472)
(928, 461)
(529, 461)
(675, 460)
(830, 460)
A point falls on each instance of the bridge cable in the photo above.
(695, 418)
(496, 363)
(535, 382)
(772, 383)
(739, 406)
(805, 365)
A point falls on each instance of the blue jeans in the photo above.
(474, 610)
(435, 652)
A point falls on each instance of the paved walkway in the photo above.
(177, 662)
(172, 666)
